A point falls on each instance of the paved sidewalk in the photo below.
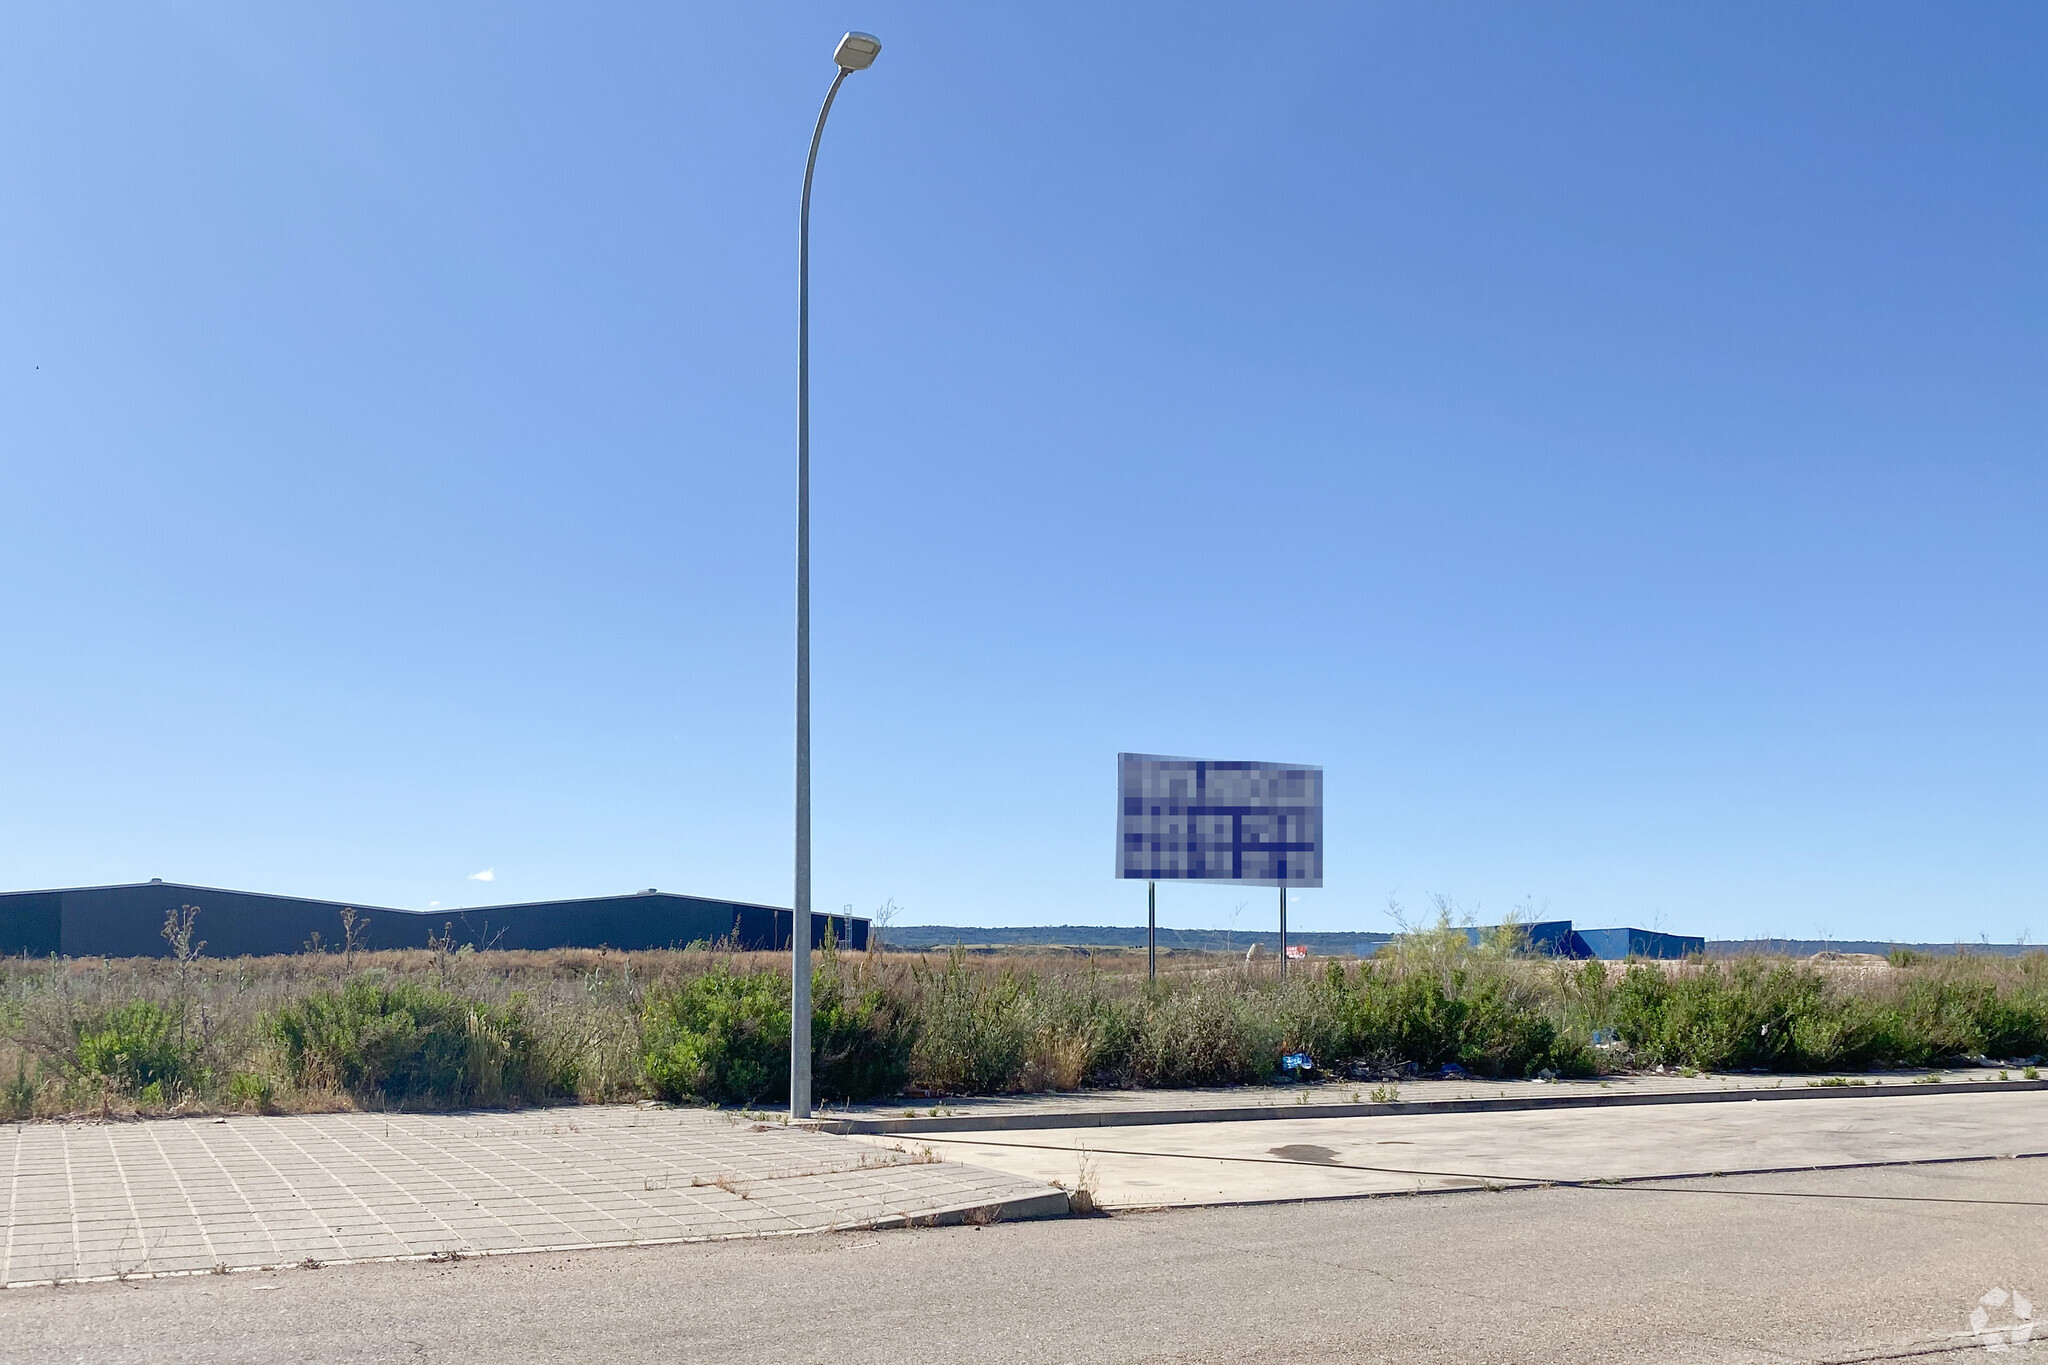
(184, 1196)
(1338, 1158)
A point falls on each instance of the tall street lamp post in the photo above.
(856, 52)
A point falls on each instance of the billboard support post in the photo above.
(1283, 935)
(1151, 931)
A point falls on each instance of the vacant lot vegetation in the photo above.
(452, 1029)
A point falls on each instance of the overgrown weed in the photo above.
(439, 1027)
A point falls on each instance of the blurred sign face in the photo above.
(1296, 950)
(1193, 819)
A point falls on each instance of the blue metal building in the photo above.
(1616, 944)
(1557, 938)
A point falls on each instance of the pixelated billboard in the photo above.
(1193, 819)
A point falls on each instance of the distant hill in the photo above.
(1807, 947)
(916, 937)
(928, 937)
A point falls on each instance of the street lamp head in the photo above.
(857, 51)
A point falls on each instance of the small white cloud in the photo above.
(433, 905)
(489, 874)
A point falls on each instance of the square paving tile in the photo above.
(87, 1201)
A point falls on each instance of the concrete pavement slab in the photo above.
(1324, 1158)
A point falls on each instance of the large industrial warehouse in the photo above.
(128, 921)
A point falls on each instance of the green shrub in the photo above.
(1688, 1021)
(1405, 1014)
(1440, 1001)
(1584, 993)
(1206, 1033)
(1501, 1035)
(1717, 1020)
(1940, 1014)
(412, 1044)
(973, 1034)
(19, 1099)
(1315, 1015)
(248, 1090)
(142, 1048)
(2015, 1023)
(1571, 1055)
(723, 1036)
(860, 1037)
(1719, 1017)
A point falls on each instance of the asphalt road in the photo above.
(1854, 1265)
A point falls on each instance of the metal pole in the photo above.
(1151, 931)
(800, 921)
(1283, 935)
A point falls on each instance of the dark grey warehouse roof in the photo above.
(126, 920)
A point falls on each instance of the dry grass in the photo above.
(1015, 1019)
(1081, 1194)
(1057, 1059)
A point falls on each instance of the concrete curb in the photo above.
(1127, 1118)
(1023, 1209)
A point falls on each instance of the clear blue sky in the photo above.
(1608, 438)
